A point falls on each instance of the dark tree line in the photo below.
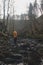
(33, 15)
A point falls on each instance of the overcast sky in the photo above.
(21, 6)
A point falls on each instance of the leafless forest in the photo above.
(29, 49)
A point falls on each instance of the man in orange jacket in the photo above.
(15, 37)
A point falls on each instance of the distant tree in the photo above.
(30, 15)
(35, 9)
(4, 1)
(8, 11)
(33, 18)
(4, 12)
(0, 11)
(35, 15)
(13, 20)
(42, 5)
(22, 17)
(30, 11)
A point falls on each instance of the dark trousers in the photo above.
(15, 41)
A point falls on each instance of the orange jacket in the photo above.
(15, 34)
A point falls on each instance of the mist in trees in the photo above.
(29, 20)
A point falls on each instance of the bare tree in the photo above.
(30, 15)
(30, 11)
(4, 12)
(4, 1)
(42, 5)
(34, 24)
(0, 12)
(35, 9)
(7, 13)
(13, 19)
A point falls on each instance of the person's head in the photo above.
(15, 31)
(15, 34)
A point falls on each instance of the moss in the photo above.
(38, 36)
